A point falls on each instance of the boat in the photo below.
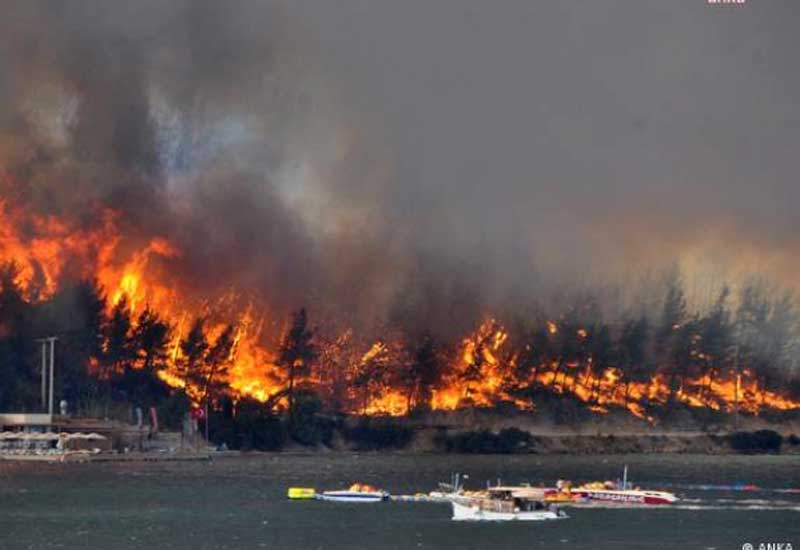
(357, 492)
(507, 504)
(454, 490)
(608, 492)
(623, 496)
(301, 493)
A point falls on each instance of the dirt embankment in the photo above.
(491, 431)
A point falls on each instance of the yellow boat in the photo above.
(301, 493)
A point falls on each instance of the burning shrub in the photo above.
(378, 433)
(761, 441)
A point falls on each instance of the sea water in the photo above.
(240, 503)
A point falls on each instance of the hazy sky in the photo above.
(600, 126)
(412, 159)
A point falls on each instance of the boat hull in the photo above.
(463, 512)
(648, 498)
(352, 496)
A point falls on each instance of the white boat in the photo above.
(353, 496)
(505, 503)
(490, 510)
(356, 493)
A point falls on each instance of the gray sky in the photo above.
(406, 158)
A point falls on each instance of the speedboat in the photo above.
(356, 493)
(506, 504)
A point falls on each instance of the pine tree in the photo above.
(79, 311)
(672, 337)
(151, 341)
(17, 345)
(118, 350)
(218, 362)
(296, 351)
(603, 355)
(191, 367)
(779, 342)
(751, 325)
(424, 372)
(716, 340)
(633, 353)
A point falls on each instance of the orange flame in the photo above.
(483, 372)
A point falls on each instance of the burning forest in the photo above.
(124, 329)
(193, 204)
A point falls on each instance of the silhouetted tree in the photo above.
(424, 372)
(568, 346)
(191, 366)
(751, 321)
(535, 355)
(673, 338)
(603, 355)
(778, 342)
(716, 340)
(119, 350)
(17, 379)
(77, 314)
(633, 353)
(375, 368)
(296, 351)
(151, 341)
(217, 362)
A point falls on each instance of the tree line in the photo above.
(110, 357)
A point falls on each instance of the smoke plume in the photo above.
(412, 164)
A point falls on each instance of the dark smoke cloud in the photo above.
(175, 114)
(414, 163)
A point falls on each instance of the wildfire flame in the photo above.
(482, 372)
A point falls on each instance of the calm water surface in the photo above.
(240, 504)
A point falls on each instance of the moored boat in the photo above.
(608, 492)
(506, 504)
(624, 496)
(356, 493)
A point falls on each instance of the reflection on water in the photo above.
(240, 503)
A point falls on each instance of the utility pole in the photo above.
(52, 341)
(48, 385)
(44, 372)
(206, 415)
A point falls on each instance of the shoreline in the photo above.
(564, 444)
